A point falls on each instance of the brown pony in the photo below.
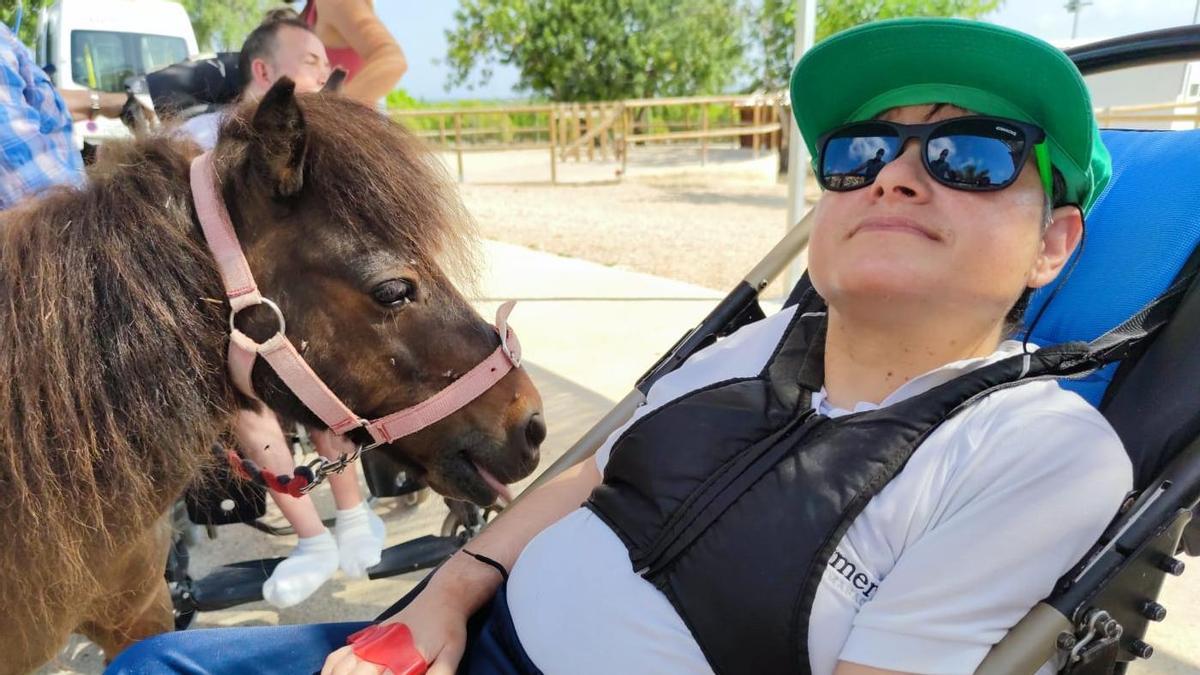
(112, 353)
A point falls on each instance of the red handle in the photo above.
(389, 645)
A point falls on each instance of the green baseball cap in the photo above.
(991, 70)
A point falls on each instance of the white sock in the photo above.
(307, 567)
(360, 539)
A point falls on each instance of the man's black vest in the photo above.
(732, 498)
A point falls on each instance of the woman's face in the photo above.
(908, 246)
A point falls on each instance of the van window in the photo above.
(104, 59)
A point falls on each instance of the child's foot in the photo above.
(360, 539)
(307, 567)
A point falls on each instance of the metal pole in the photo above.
(1196, 12)
(1074, 6)
(806, 22)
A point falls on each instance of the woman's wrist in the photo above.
(465, 582)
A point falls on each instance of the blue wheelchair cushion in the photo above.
(1141, 231)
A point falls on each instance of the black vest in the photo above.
(732, 498)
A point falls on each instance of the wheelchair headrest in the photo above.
(1142, 230)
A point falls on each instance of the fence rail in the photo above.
(601, 130)
(607, 130)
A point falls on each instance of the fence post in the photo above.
(755, 139)
(602, 118)
(704, 139)
(458, 143)
(442, 130)
(576, 113)
(552, 125)
(505, 129)
(626, 134)
(589, 113)
(777, 136)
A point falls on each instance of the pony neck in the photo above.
(116, 386)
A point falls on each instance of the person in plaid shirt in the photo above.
(36, 148)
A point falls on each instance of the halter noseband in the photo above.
(290, 366)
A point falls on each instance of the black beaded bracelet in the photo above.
(489, 562)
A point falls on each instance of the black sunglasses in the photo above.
(964, 153)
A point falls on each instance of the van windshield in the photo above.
(102, 60)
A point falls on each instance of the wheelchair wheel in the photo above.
(183, 620)
(415, 499)
(465, 520)
(179, 583)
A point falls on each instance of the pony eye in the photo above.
(394, 292)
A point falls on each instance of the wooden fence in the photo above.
(603, 130)
(1185, 114)
(607, 130)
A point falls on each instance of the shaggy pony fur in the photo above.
(112, 352)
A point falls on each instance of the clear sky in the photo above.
(421, 29)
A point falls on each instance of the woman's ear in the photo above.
(1059, 241)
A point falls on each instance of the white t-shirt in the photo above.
(203, 129)
(994, 507)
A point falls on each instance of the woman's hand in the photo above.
(438, 633)
(437, 619)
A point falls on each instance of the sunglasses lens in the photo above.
(976, 154)
(853, 156)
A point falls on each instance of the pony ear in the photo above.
(281, 137)
(336, 79)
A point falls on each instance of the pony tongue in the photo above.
(503, 493)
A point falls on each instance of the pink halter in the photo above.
(281, 354)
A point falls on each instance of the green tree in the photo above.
(775, 22)
(568, 50)
(222, 25)
(28, 32)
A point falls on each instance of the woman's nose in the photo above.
(904, 176)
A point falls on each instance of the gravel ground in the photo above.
(704, 229)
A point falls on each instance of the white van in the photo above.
(96, 44)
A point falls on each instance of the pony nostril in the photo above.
(535, 430)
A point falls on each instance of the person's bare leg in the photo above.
(360, 533)
(315, 558)
(261, 438)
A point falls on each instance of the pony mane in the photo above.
(377, 179)
(112, 357)
(112, 383)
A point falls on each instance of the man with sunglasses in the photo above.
(863, 484)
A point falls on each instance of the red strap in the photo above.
(389, 645)
(293, 485)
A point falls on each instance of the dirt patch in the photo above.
(705, 231)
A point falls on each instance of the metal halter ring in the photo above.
(271, 305)
(515, 359)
